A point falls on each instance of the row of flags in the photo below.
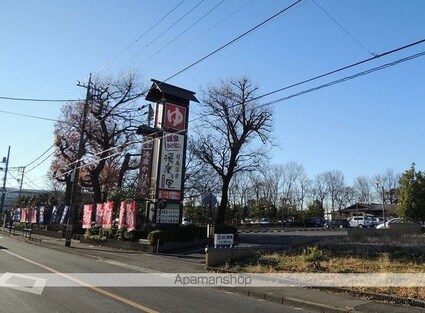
(102, 217)
(36, 215)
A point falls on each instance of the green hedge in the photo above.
(187, 233)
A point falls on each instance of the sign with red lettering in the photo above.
(130, 218)
(174, 116)
(145, 167)
(23, 215)
(121, 220)
(107, 214)
(99, 214)
(88, 209)
(171, 168)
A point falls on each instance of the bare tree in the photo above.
(233, 122)
(363, 189)
(292, 172)
(112, 120)
(320, 190)
(303, 189)
(390, 181)
(335, 185)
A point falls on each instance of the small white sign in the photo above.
(223, 240)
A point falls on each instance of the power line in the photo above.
(37, 100)
(342, 27)
(347, 78)
(44, 160)
(202, 34)
(376, 56)
(175, 23)
(183, 32)
(40, 156)
(141, 36)
(30, 116)
(234, 40)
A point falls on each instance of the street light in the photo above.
(378, 184)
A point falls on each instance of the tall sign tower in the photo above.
(162, 166)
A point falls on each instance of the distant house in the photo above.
(369, 209)
(12, 194)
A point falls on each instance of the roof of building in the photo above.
(159, 89)
(373, 207)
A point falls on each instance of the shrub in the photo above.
(183, 233)
(313, 255)
(187, 233)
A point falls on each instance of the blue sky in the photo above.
(361, 127)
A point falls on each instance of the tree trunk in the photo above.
(221, 213)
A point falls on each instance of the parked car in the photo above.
(377, 220)
(360, 221)
(186, 221)
(314, 222)
(339, 223)
(264, 221)
(389, 222)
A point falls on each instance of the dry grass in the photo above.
(293, 263)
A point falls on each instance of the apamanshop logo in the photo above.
(212, 280)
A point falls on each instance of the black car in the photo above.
(314, 222)
(337, 224)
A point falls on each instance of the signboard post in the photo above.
(162, 166)
(223, 240)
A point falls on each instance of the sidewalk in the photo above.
(312, 299)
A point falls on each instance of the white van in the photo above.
(360, 221)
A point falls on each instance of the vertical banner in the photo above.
(145, 170)
(64, 214)
(17, 216)
(41, 215)
(131, 216)
(23, 215)
(99, 214)
(107, 214)
(54, 215)
(88, 209)
(33, 215)
(171, 168)
(121, 220)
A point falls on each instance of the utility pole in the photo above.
(76, 172)
(22, 168)
(3, 193)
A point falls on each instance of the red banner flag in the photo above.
(23, 215)
(99, 214)
(33, 213)
(131, 216)
(88, 209)
(107, 214)
(122, 221)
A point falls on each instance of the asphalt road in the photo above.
(25, 260)
(273, 237)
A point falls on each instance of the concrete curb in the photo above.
(294, 302)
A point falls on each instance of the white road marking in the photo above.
(82, 283)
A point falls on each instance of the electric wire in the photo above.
(377, 56)
(41, 162)
(36, 100)
(347, 78)
(200, 35)
(174, 24)
(234, 40)
(343, 28)
(183, 32)
(52, 146)
(28, 115)
(140, 37)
